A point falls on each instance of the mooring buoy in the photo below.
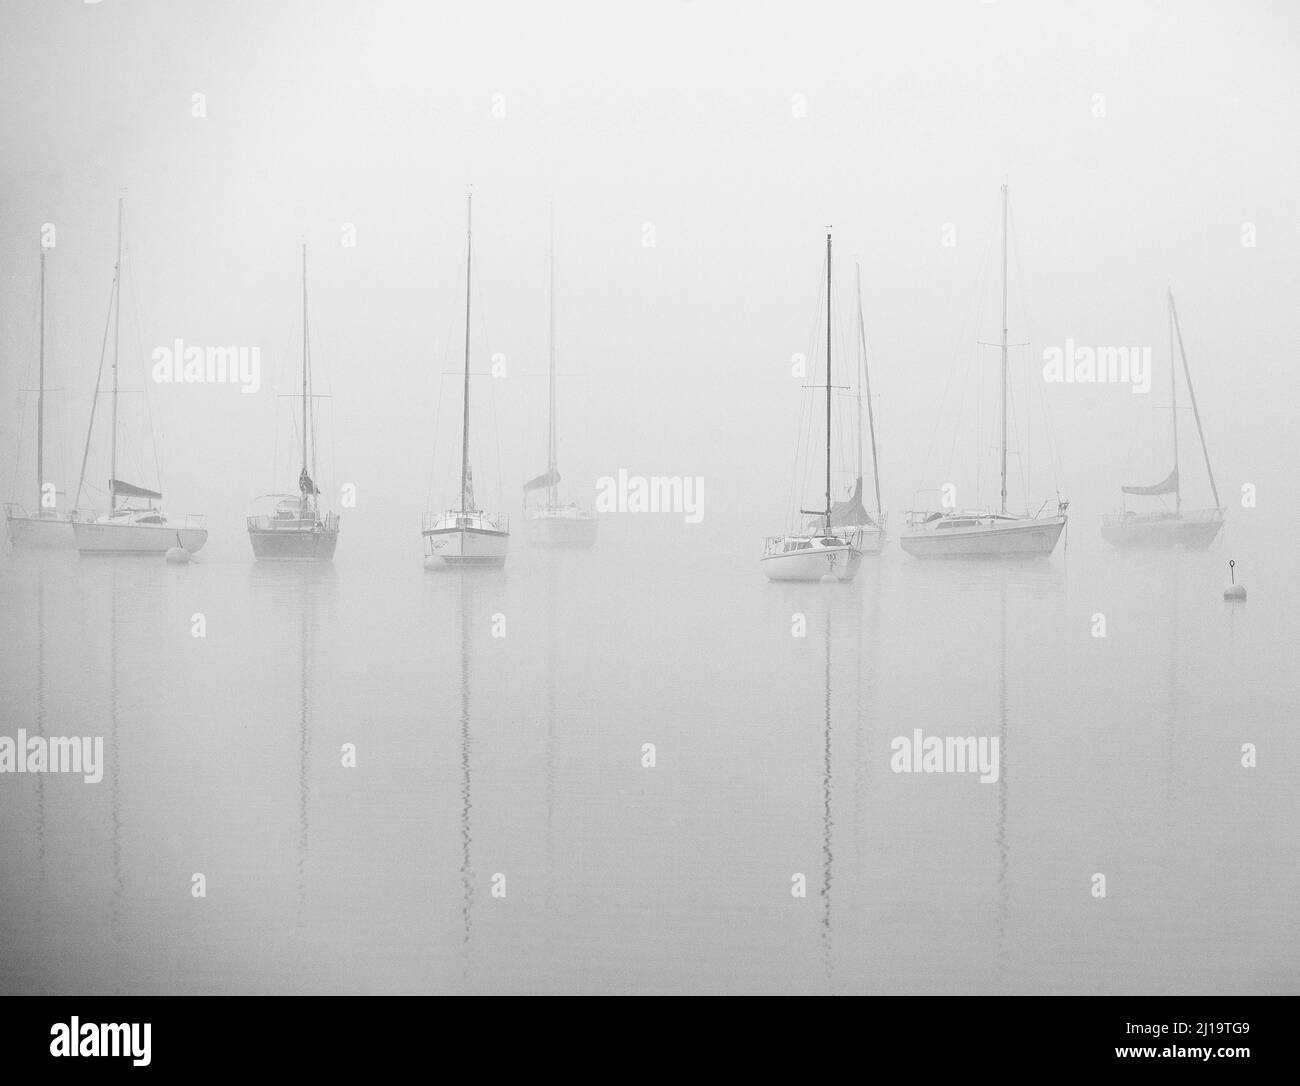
(1234, 591)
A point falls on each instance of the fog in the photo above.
(1138, 141)
(692, 776)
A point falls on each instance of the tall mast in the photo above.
(1191, 395)
(1004, 348)
(871, 416)
(857, 271)
(464, 440)
(828, 381)
(307, 497)
(551, 457)
(40, 401)
(117, 327)
(1173, 402)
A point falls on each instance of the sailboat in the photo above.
(46, 528)
(1161, 528)
(851, 513)
(823, 551)
(554, 524)
(988, 533)
(466, 535)
(128, 528)
(294, 527)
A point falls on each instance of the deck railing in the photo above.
(493, 521)
(265, 522)
(1129, 516)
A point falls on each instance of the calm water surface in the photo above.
(516, 760)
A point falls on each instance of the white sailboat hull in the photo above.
(1195, 531)
(468, 546)
(1017, 538)
(285, 528)
(872, 539)
(545, 530)
(99, 538)
(40, 533)
(473, 539)
(294, 545)
(839, 562)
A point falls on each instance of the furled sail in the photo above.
(851, 511)
(467, 498)
(127, 490)
(305, 484)
(1169, 486)
(549, 478)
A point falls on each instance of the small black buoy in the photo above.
(1234, 591)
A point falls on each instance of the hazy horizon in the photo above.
(684, 118)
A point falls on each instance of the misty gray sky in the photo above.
(679, 115)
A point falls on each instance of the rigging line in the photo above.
(967, 330)
(839, 407)
(847, 421)
(492, 392)
(24, 378)
(18, 450)
(128, 262)
(449, 330)
(863, 380)
(938, 421)
(1027, 460)
(792, 498)
(433, 464)
(277, 381)
(94, 402)
(1015, 420)
(20, 408)
(798, 481)
(1050, 438)
(985, 446)
(1027, 311)
(496, 433)
(982, 444)
(481, 312)
(313, 415)
(956, 429)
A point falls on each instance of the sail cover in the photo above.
(1169, 486)
(850, 511)
(549, 478)
(127, 490)
(467, 495)
(305, 484)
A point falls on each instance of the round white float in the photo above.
(177, 556)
